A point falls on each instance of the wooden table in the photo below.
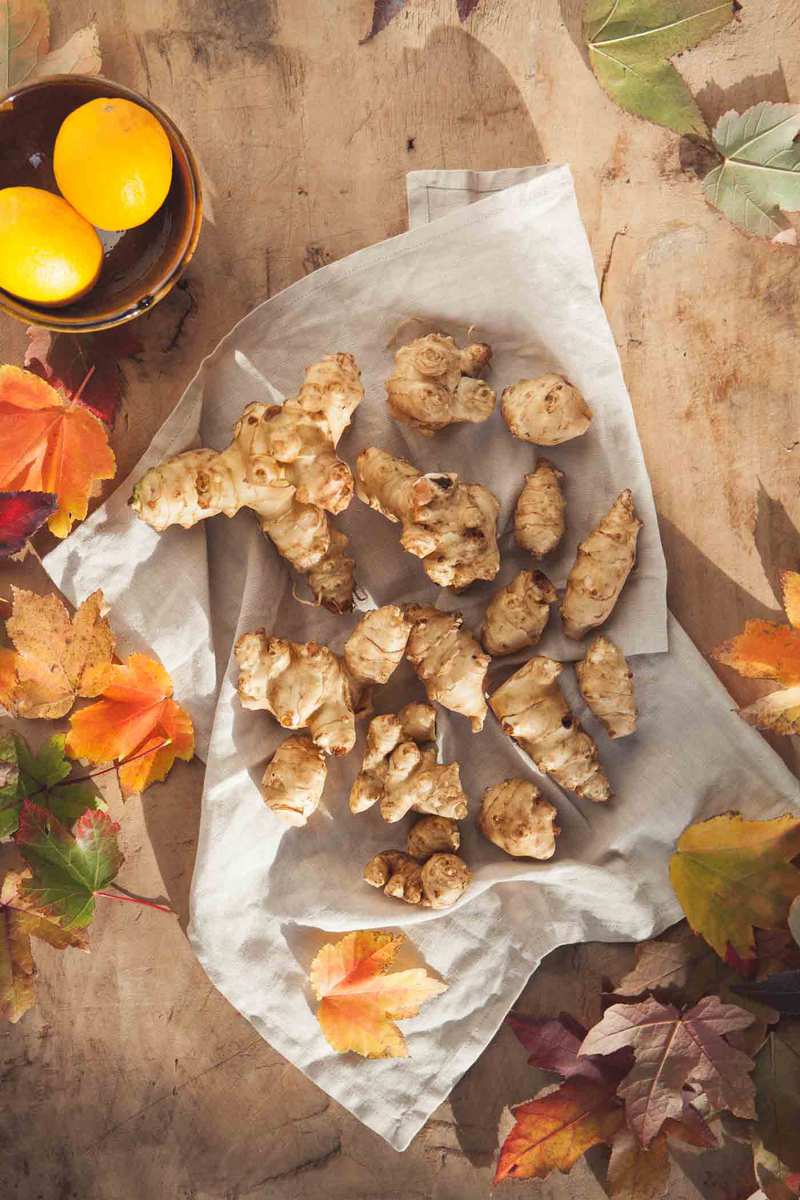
(133, 1079)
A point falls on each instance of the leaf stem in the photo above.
(135, 900)
(77, 395)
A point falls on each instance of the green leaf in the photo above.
(759, 178)
(67, 870)
(42, 776)
(630, 46)
(9, 785)
(24, 38)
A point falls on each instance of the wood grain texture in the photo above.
(133, 1077)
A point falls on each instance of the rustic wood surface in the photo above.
(133, 1078)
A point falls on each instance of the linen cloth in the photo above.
(505, 253)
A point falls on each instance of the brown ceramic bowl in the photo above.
(139, 265)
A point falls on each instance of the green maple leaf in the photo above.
(631, 43)
(42, 778)
(67, 868)
(9, 785)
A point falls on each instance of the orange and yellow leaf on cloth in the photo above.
(135, 719)
(732, 875)
(53, 653)
(360, 1002)
(49, 443)
(790, 593)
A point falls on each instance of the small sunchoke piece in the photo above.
(517, 818)
(606, 683)
(294, 781)
(517, 614)
(400, 771)
(307, 686)
(282, 464)
(540, 513)
(604, 561)
(432, 835)
(449, 525)
(437, 884)
(547, 411)
(434, 384)
(449, 661)
(532, 710)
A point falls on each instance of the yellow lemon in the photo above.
(113, 163)
(48, 253)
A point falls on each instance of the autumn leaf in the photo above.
(9, 784)
(85, 367)
(730, 875)
(80, 55)
(21, 514)
(44, 777)
(50, 444)
(671, 1050)
(360, 1002)
(53, 653)
(24, 39)
(636, 1172)
(18, 924)
(136, 719)
(555, 1044)
(684, 966)
(631, 43)
(384, 11)
(67, 868)
(777, 1079)
(780, 991)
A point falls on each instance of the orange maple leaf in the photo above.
(360, 1002)
(765, 650)
(49, 443)
(135, 719)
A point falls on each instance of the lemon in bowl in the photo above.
(113, 163)
(49, 254)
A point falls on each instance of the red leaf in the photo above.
(86, 367)
(466, 8)
(554, 1045)
(21, 514)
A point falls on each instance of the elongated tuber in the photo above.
(540, 513)
(547, 411)
(449, 661)
(432, 835)
(400, 771)
(451, 526)
(606, 683)
(604, 561)
(517, 614)
(532, 710)
(307, 686)
(516, 817)
(282, 464)
(294, 781)
(434, 384)
(438, 883)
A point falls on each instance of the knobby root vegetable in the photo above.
(547, 411)
(434, 384)
(449, 661)
(604, 561)
(438, 883)
(533, 711)
(517, 614)
(451, 526)
(400, 771)
(294, 781)
(516, 817)
(307, 686)
(606, 683)
(282, 464)
(540, 513)
(432, 835)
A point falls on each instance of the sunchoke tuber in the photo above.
(305, 685)
(438, 883)
(400, 770)
(432, 835)
(294, 781)
(434, 384)
(282, 464)
(517, 614)
(547, 411)
(451, 526)
(540, 513)
(449, 661)
(606, 683)
(516, 817)
(604, 561)
(533, 711)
